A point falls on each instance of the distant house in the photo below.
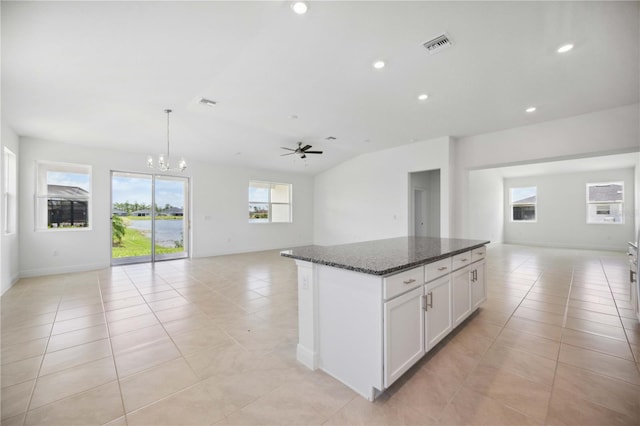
(118, 212)
(525, 208)
(67, 206)
(172, 211)
(605, 193)
(141, 213)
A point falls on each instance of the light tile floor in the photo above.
(212, 341)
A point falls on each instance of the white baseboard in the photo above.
(306, 357)
(569, 246)
(62, 270)
(12, 280)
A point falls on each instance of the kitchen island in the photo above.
(368, 311)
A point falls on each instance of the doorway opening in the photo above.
(149, 217)
(424, 203)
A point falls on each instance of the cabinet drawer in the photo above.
(478, 254)
(461, 260)
(437, 269)
(399, 283)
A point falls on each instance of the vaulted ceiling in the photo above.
(101, 73)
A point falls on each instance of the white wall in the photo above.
(637, 198)
(588, 135)
(218, 192)
(9, 244)
(561, 212)
(486, 218)
(367, 197)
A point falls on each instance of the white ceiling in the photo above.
(101, 73)
(607, 162)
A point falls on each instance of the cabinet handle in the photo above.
(464, 260)
(409, 281)
(430, 304)
(480, 253)
(442, 268)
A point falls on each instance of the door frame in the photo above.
(152, 258)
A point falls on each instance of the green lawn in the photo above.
(135, 243)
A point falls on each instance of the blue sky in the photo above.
(81, 180)
(518, 194)
(132, 189)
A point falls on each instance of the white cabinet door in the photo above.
(403, 334)
(478, 286)
(438, 310)
(460, 295)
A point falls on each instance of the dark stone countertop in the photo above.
(383, 257)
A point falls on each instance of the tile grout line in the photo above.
(615, 302)
(113, 354)
(563, 327)
(35, 382)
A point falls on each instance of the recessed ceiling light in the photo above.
(423, 97)
(565, 48)
(530, 109)
(300, 7)
(207, 102)
(378, 65)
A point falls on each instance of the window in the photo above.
(269, 202)
(523, 204)
(10, 192)
(605, 202)
(63, 196)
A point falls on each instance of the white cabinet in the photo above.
(477, 284)
(460, 295)
(367, 330)
(403, 334)
(437, 305)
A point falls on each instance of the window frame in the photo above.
(41, 201)
(10, 192)
(604, 203)
(270, 203)
(512, 205)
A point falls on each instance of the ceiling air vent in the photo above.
(437, 44)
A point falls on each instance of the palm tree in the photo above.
(117, 229)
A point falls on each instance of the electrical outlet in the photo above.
(305, 283)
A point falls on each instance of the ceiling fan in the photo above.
(300, 150)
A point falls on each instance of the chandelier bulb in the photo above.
(164, 159)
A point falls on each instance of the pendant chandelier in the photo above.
(164, 160)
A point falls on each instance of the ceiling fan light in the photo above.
(300, 7)
(565, 48)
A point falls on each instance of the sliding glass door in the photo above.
(149, 217)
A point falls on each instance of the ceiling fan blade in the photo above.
(288, 149)
(306, 147)
(288, 153)
(303, 156)
(313, 152)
